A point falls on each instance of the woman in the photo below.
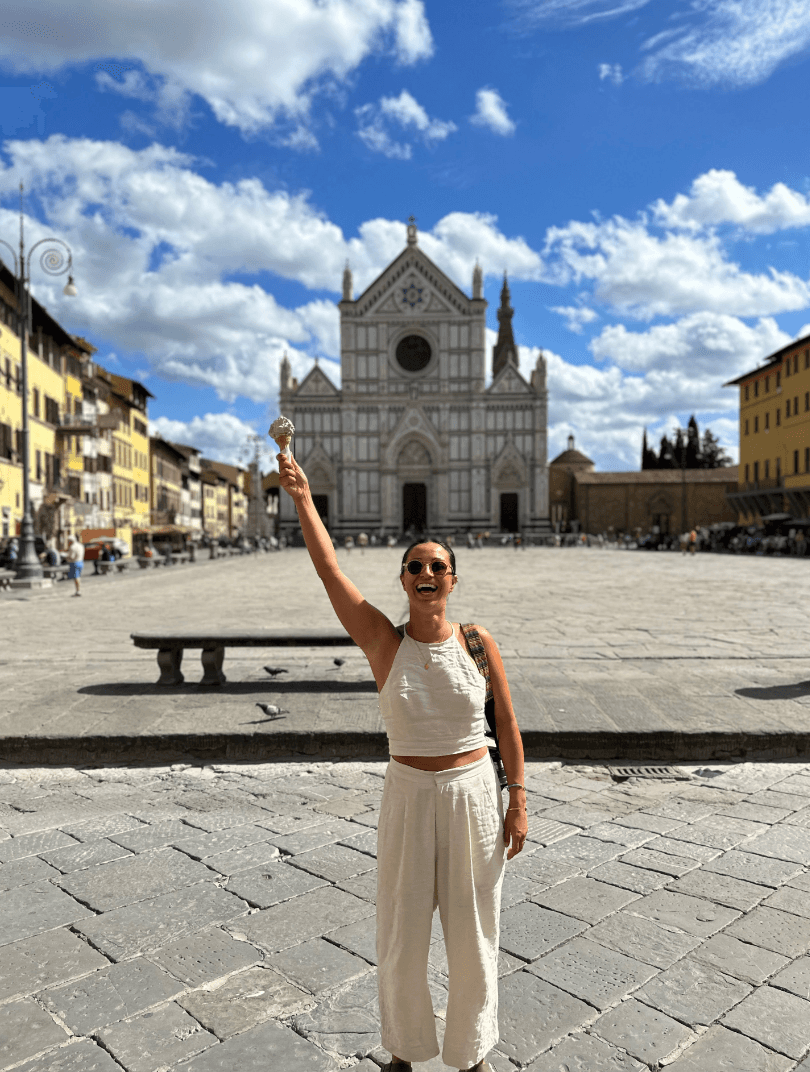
(76, 560)
(442, 831)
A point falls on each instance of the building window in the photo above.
(460, 498)
(747, 478)
(756, 424)
(39, 467)
(767, 384)
(787, 407)
(806, 401)
(35, 401)
(795, 363)
(767, 468)
(756, 472)
(807, 359)
(756, 388)
(746, 392)
(795, 461)
(779, 378)
(778, 468)
(778, 416)
(796, 406)
(767, 420)
(807, 459)
(368, 492)
(746, 426)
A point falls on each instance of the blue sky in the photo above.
(639, 169)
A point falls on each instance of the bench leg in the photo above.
(169, 660)
(212, 659)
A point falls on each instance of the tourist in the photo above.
(442, 830)
(76, 560)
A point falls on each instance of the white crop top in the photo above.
(437, 711)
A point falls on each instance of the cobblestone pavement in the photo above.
(604, 644)
(221, 918)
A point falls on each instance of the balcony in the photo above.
(761, 485)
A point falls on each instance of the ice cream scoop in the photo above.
(282, 431)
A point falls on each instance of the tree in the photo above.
(693, 459)
(666, 456)
(649, 459)
(713, 456)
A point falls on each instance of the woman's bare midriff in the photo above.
(440, 763)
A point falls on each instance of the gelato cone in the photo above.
(282, 431)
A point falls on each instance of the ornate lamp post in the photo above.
(54, 261)
(254, 449)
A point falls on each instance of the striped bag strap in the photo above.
(478, 652)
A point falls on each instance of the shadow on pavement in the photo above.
(235, 688)
(776, 692)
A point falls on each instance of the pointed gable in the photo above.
(316, 384)
(412, 285)
(509, 382)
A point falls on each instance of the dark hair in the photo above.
(429, 539)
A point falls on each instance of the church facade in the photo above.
(413, 441)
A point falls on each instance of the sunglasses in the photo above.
(437, 568)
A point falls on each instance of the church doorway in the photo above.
(414, 508)
(509, 511)
(321, 504)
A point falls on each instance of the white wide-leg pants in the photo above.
(440, 842)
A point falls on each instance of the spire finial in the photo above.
(412, 231)
(347, 282)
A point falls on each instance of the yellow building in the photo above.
(214, 502)
(48, 346)
(127, 420)
(774, 471)
(237, 499)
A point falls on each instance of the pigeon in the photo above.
(274, 671)
(338, 662)
(271, 710)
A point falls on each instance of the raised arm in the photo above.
(368, 627)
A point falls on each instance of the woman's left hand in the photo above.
(515, 829)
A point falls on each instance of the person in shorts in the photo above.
(76, 560)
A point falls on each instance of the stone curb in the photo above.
(656, 745)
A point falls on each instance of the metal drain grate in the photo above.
(649, 771)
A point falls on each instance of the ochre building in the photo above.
(774, 466)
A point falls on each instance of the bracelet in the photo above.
(516, 785)
(515, 809)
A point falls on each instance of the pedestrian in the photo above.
(76, 560)
(442, 831)
(692, 542)
(348, 543)
(362, 542)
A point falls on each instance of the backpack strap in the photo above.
(478, 652)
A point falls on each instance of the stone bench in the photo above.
(6, 577)
(56, 573)
(146, 561)
(118, 565)
(170, 648)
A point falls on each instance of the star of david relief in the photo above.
(412, 295)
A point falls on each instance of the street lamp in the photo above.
(54, 261)
(254, 449)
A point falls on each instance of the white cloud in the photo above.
(612, 72)
(490, 111)
(642, 274)
(730, 42)
(406, 112)
(576, 316)
(573, 12)
(707, 42)
(156, 246)
(220, 436)
(719, 197)
(710, 343)
(253, 61)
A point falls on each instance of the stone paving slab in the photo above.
(613, 676)
(724, 986)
